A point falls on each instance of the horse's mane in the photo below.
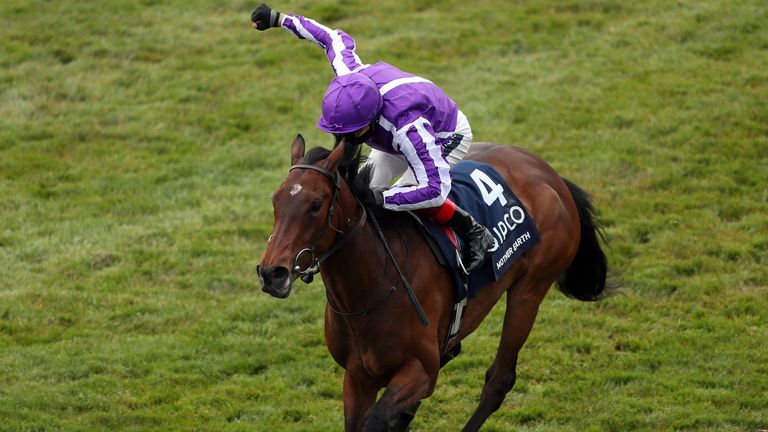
(358, 179)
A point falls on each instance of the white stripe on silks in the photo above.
(436, 153)
(336, 43)
(400, 81)
(338, 62)
(408, 150)
(338, 47)
(304, 32)
(411, 155)
(388, 126)
(391, 128)
(357, 59)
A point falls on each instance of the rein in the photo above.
(408, 288)
(314, 266)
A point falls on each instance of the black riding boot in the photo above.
(477, 238)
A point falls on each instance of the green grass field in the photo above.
(140, 142)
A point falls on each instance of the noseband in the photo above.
(314, 265)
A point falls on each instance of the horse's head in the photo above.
(305, 218)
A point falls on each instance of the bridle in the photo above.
(314, 265)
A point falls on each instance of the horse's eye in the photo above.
(315, 206)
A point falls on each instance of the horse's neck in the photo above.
(357, 274)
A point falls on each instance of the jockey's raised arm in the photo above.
(415, 140)
(339, 47)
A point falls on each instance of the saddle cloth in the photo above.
(480, 190)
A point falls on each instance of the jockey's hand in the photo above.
(373, 197)
(263, 17)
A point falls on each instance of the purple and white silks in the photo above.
(417, 120)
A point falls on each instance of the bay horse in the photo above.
(371, 328)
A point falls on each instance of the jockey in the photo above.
(415, 130)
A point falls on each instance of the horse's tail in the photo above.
(585, 278)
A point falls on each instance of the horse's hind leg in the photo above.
(522, 306)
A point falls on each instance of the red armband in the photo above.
(441, 214)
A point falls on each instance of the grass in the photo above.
(140, 142)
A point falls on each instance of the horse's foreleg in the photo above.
(405, 418)
(358, 398)
(411, 384)
(522, 308)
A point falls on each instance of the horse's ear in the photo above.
(336, 156)
(297, 150)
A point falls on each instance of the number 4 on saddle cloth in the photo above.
(481, 191)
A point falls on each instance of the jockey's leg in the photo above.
(476, 237)
(385, 168)
(461, 140)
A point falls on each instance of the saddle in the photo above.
(479, 189)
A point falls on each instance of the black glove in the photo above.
(265, 18)
(373, 197)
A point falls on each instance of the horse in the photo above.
(371, 329)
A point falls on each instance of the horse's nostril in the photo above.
(260, 271)
(279, 273)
